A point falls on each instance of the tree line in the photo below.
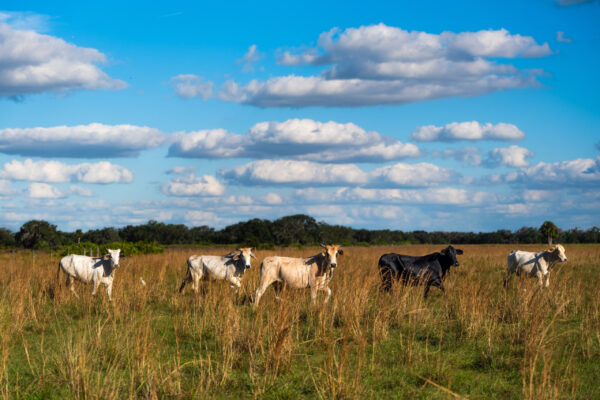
(290, 230)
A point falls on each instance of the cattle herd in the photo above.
(312, 273)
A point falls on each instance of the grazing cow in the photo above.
(314, 272)
(90, 269)
(429, 269)
(230, 267)
(535, 264)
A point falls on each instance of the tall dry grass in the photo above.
(476, 340)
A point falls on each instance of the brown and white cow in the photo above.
(534, 264)
(230, 267)
(300, 273)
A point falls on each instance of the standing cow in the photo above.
(429, 269)
(230, 267)
(534, 264)
(300, 273)
(90, 269)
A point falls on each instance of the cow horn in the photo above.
(106, 256)
(253, 256)
(322, 245)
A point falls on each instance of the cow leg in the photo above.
(386, 279)
(109, 291)
(540, 279)
(313, 295)
(71, 285)
(328, 294)
(185, 280)
(260, 291)
(547, 280)
(507, 279)
(196, 282)
(94, 287)
(278, 286)
(235, 282)
(427, 286)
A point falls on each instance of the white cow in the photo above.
(535, 264)
(314, 272)
(230, 267)
(90, 269)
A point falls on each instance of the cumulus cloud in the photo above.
(188, 86)
(44, 191)
(90, 141)
(6, 188)
(306, 173)
(560, 37)
(301, 139)
(192, 185)
(379, 64)
(470, 130)
(55, 171)
(443, 195)
(466, 155)
(36, 63)
(579, 173)
(512, 156)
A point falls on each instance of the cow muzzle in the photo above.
(333, 265)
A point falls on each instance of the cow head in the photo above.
(451, 253)
(559, 253)
(330, 253)
(113, 256)
(244, 254)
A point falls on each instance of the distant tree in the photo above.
(38, 233)
(7, 239)
(296, 229)
(549, 230)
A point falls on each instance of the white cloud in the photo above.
(511, 156)
(191, 185)
(466, 155)
(251, 56)
(471, 131)
(579, 173)
(379, 64)
(36, 63)
(44, 191)
(305, 173)
(6, 188)
(90, 141)
(55, 171)
(197, 218)
(188, 86)
(560, 37)
(272, 198)
(80, 191)
(294, 173)
(411, 175)
(301, 139)
(444, 195)
(538, 195)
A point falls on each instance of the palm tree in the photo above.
(549, 230)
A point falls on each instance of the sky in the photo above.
(430, 115)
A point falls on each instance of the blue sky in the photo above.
(470, 116)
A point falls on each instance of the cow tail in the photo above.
(58, 272)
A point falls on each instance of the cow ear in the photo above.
(341, 252)
(459, 251)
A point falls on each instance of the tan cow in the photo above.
(300, 273)
(534, 264)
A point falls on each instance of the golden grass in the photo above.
(477, 340)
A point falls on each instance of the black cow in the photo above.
(429, 269)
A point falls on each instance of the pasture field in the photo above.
(477, 340)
